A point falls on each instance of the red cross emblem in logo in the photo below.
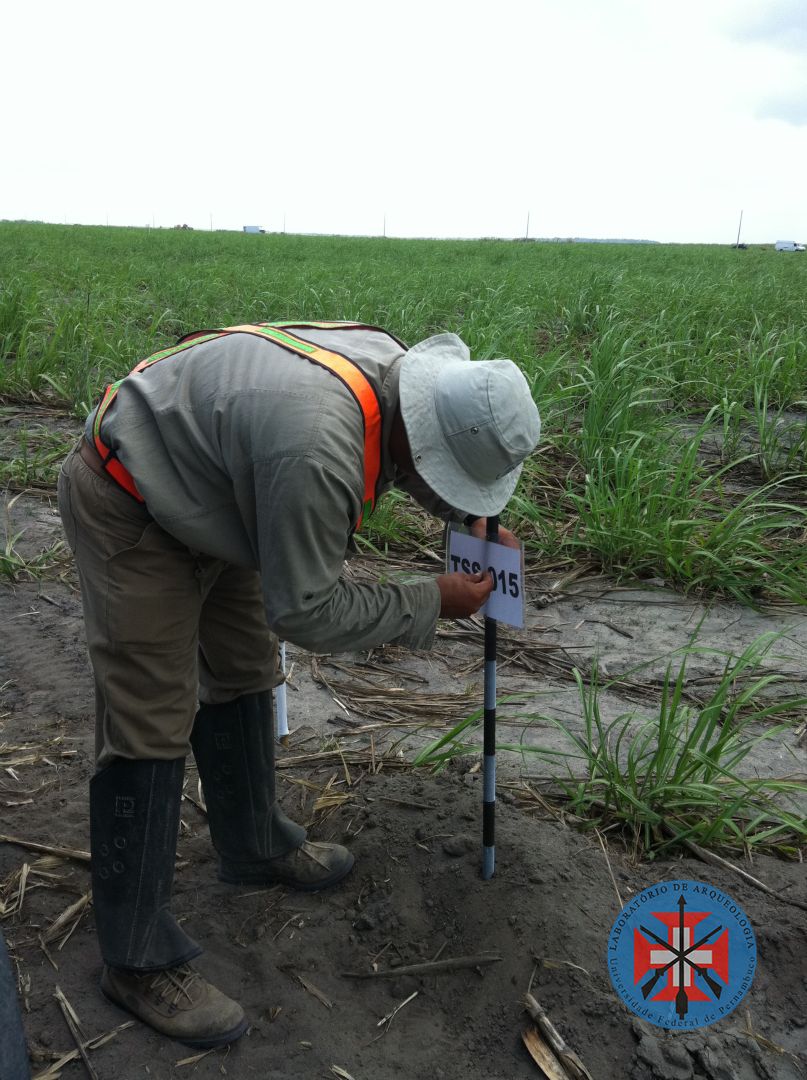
(683, 956)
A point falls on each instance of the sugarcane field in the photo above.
(572, 833)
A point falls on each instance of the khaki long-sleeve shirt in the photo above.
(252, 454)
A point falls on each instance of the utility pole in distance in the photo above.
(527, 233)
(738, 229)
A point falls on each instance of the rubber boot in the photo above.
(257, 844)
(134, 822)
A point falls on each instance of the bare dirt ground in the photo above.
(415, 894)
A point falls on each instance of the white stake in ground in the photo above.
(280, 700)
(489, 743)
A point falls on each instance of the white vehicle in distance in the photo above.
(789, 245)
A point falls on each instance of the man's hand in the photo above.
(462, 595)
(479, 530)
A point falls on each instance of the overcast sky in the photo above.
(599, 118)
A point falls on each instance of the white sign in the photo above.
(468, 555)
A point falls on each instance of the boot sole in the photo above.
(335, 878)
(220, 1040)
(210, 1043)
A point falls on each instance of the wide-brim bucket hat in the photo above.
(470, 423)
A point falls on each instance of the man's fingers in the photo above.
(462, 595)
(505, 537)
(508, 539)
(485, 580)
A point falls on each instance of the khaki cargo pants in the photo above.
(166, 626)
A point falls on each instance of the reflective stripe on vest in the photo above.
(346, 370)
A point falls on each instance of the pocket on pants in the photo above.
(152, 594)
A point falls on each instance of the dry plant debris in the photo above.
(309, 988)
(40, 874)
(54, 1071)
(368, 693)
(515, 648)
(548, 1048)
(429, 967)
(74, 1026)
(13, 755)
(47, 849)
(64, 925)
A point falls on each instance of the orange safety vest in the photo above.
(346, 370)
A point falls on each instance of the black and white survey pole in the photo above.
(489, 743)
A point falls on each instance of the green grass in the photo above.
(625, 347)
(15, 566)
(30, 456)
(672, 776)
(396, 522)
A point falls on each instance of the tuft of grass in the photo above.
(782, 440)
(33, 461)
(673, 776)
(14, 565)
(396, 522)
(652, 510)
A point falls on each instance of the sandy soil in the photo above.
(415, 893)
